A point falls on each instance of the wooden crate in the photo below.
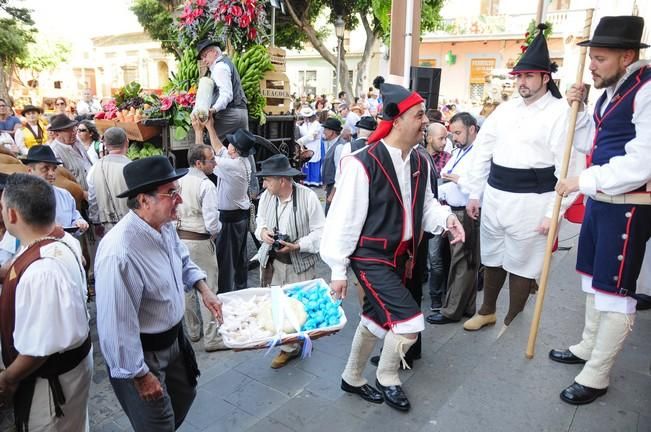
(274, 86)
(135, 130)
(278, 58)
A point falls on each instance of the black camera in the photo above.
(278, 237)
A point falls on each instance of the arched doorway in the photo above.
(163, 74)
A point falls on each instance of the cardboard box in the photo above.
(135, 130)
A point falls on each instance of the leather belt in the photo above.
(189, 235)
(629, 198)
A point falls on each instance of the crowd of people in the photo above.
(410, 196)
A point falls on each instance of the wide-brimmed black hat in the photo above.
(623, 32)
(277, 165)
(31, 108)
(243, 141)
(146, 174)
(202, 45)
(366, 122)
(61, 122)
(536, 59)
(333, 124)
(41, 153)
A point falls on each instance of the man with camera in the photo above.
(289, 223)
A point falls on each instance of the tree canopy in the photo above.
(16, 32)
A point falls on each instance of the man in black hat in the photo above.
(517, 157)
(69, 149)
(289, 224)
(333, 146)
(234, 172)
(141, 271)
(41, 162)
(229, 101)
(382, 205)
(617, 221)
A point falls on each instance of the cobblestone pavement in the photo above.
(464, 382)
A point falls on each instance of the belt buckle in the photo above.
(623, 291)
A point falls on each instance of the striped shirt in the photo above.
(140, 278)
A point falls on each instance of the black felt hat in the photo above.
(623, 32)
(61, 122)
(243, 140)
(536, 59)
(366, 122)
(31, 108)
(41, 153)
(202, 45)
(277, 165)
(145, 175)
(333, 124)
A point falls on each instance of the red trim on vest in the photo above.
(628, 236)
(363, 278)
(600, 119)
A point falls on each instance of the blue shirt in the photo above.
(67, 213)
(141, 276)
(9, 124)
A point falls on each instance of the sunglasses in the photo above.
(82, 130)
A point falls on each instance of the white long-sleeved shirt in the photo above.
(141, 278)
(311, 138)
(622, 173)
(233, 181)
(350, 207)
(517, 135)
(315, 217)
(221, 75)
(459, 163)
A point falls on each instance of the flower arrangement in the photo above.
(241, 22)
(176, 108)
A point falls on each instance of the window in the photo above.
(476, 92)
(307, 82)
(58, 84)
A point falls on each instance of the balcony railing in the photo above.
(563, 22)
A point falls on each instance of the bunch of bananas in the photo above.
(252, 65)
(187, 74)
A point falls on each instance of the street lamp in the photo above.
(339, 32)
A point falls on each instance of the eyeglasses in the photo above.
(172, 195)
(212, 160)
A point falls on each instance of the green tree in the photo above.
(43, 55)
(16, 32)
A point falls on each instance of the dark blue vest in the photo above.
(329, 169)
(615, 127)
(382, 231)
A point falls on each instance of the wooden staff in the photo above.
(551, 236)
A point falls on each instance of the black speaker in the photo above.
(426, 81)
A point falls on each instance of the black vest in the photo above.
(382, 231)
(357, 144)
(239, 99)
(329, 169)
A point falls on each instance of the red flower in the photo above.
(245, 21)
(236, 11)
(166, 103)
(251, 34)
(201, 3)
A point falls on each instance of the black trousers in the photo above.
(415, 287)
(232, 256)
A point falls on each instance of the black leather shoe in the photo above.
(394, 396)
(439, 318)
(643, 302)
(565, 356)
(366, 392)
(410, 362)
(577, 394)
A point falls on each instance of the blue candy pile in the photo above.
(321, 310)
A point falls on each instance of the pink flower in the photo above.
(201, 3)
(166, 103)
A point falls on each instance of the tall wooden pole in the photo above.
(551, 236)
